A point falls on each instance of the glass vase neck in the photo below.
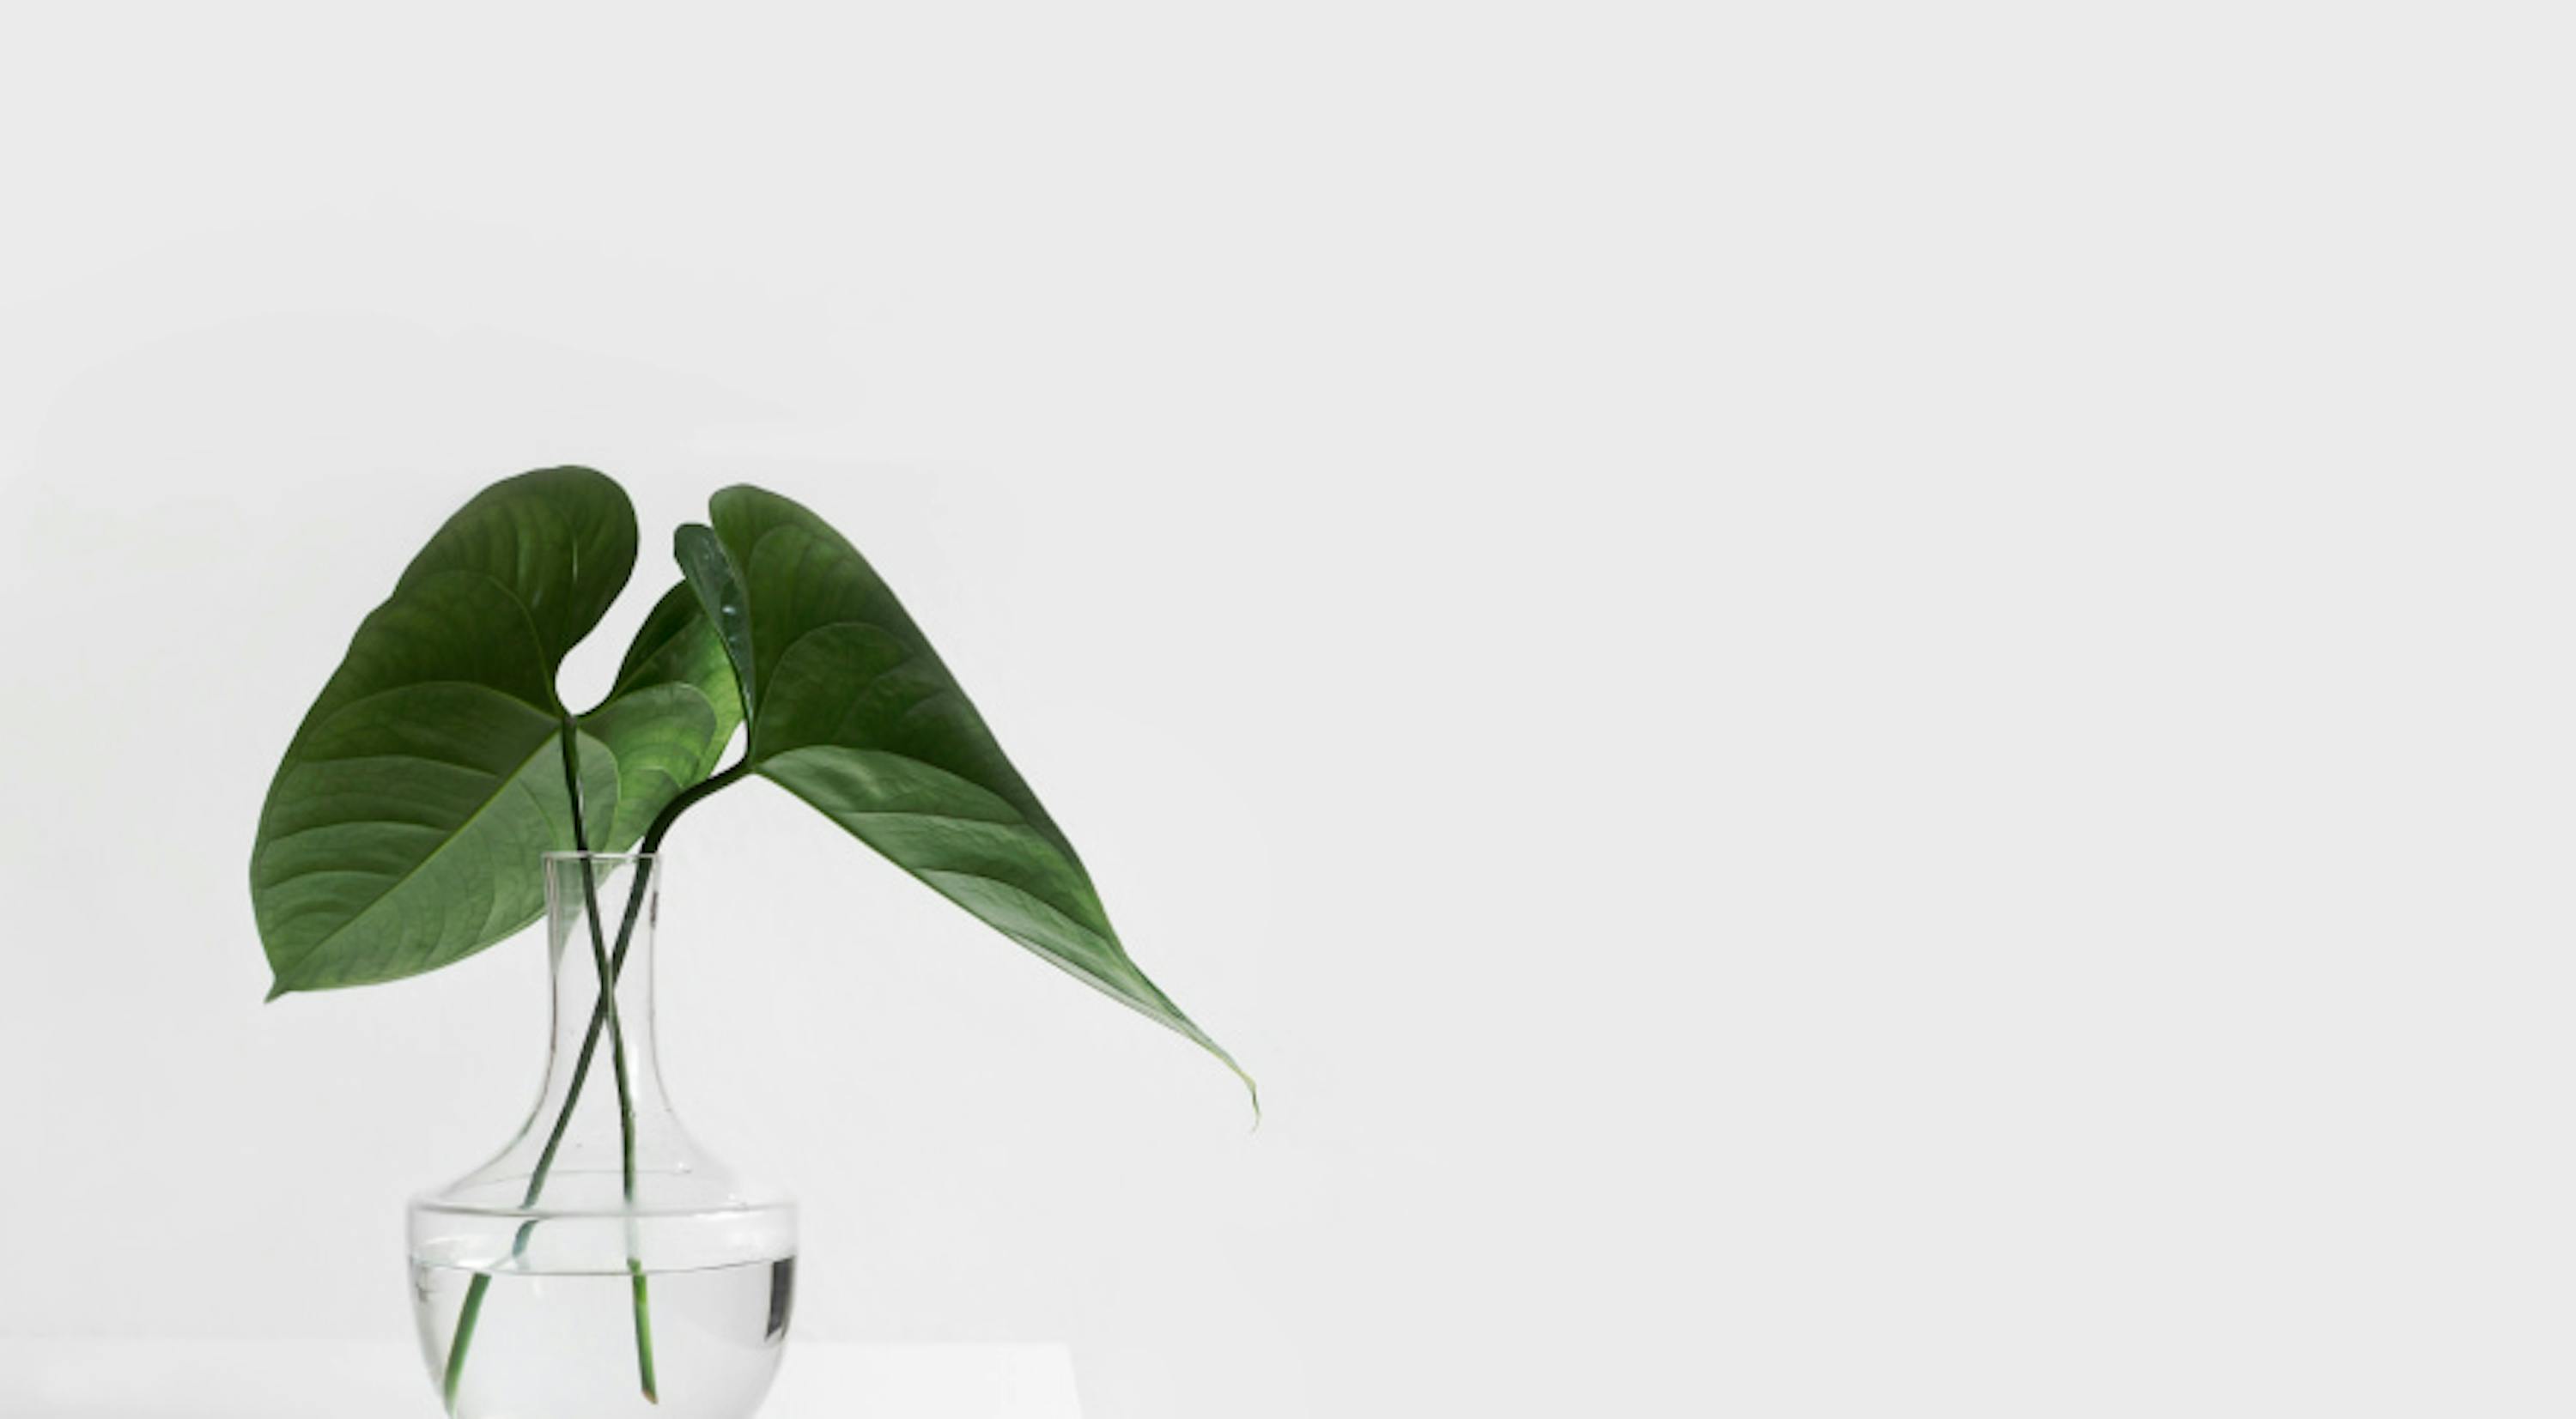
(602, 911)
(603, 1141)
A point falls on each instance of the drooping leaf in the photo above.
(854, 713)
(403, 828)
(669, 718)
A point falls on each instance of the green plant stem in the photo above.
(608, 975)
(599, 1020)
(643, 1327)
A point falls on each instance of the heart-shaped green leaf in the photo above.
(403, 828)
(853, 712)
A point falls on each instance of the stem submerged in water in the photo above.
(643, 1330)
(603, 1019)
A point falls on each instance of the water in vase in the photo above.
(563, 1345)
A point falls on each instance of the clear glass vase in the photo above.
(603, 1265)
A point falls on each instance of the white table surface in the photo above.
(244, 1379)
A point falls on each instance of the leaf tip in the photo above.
(1251, 1086)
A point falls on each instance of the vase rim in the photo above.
(563, 855)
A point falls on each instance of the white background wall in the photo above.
(1862, 709)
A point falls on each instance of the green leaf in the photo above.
(718, 586)
(403, 828)
(855, 714)
(560, 540)
(668, 721)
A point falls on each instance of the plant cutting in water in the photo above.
(406, 826)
